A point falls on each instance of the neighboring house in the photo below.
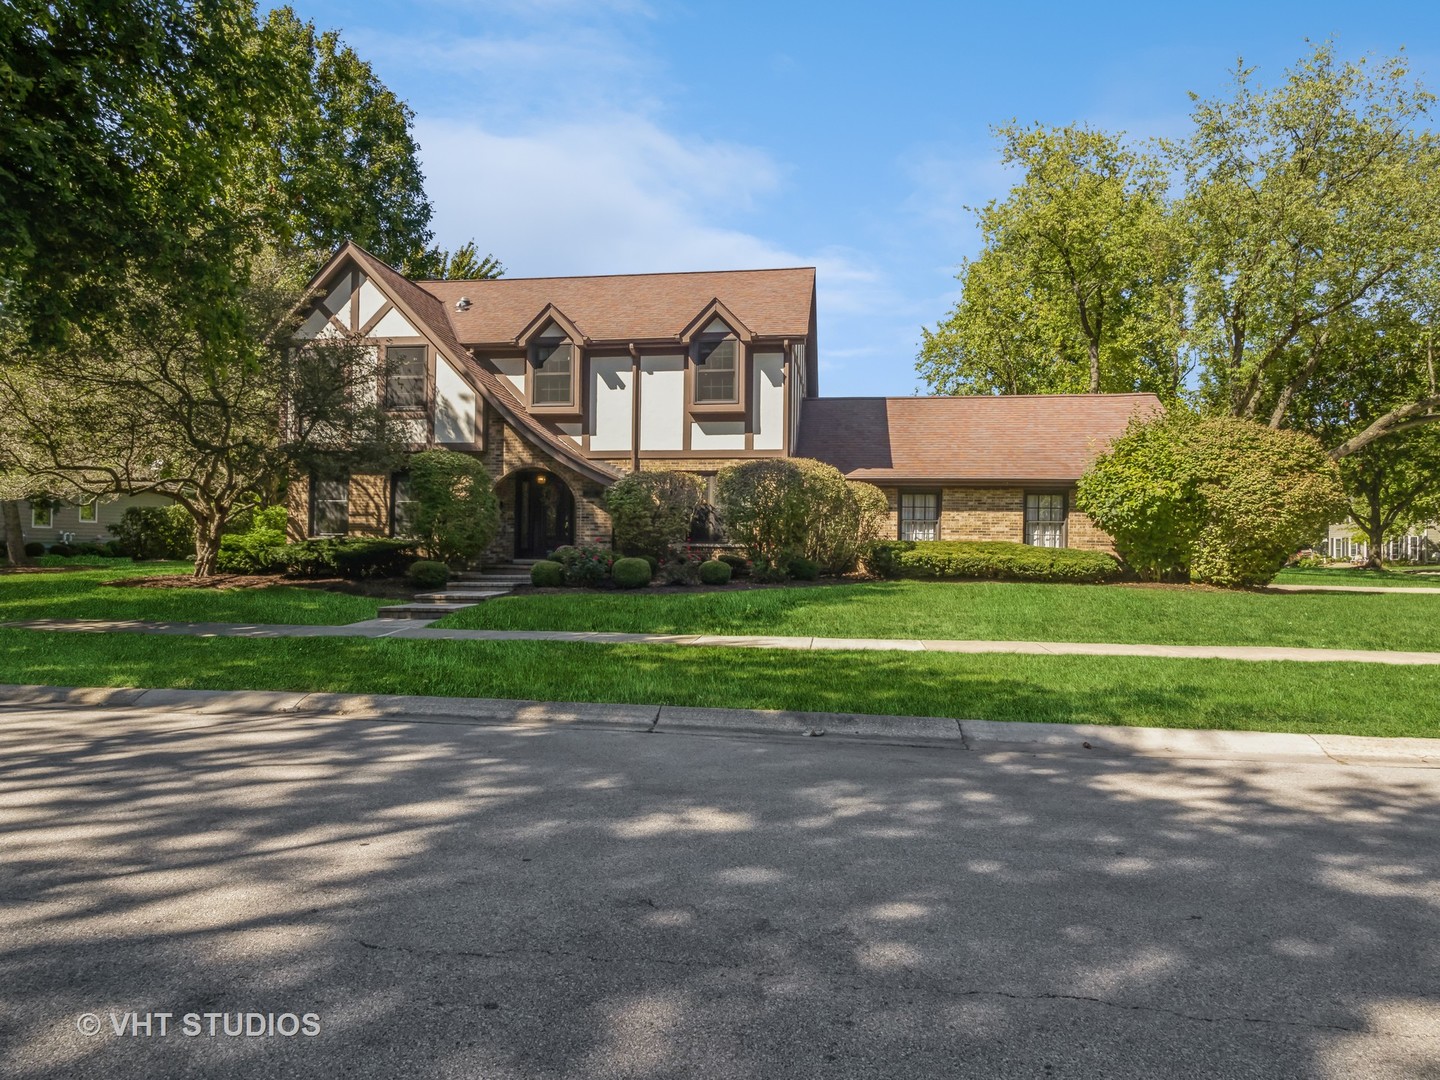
(82, 522)
(1420, 545)
(563, 385)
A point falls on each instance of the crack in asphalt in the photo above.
(1223, 1018)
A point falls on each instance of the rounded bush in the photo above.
(547, 575)
(34, 549)
(714, 572)
(802, 569)
(63, 550)
(630, 573)
(428, 574)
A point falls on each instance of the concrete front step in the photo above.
(420, 611)
(505, 580)
(460, 596)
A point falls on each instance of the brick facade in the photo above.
(973, 513)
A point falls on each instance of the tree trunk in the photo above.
(14, 536)
(208, 530)
(1374, 529)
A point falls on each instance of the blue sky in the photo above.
(590, 137)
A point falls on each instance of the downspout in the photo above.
(634, 408)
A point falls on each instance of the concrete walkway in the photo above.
(1374, 590)
(977, 735)
(391, 628)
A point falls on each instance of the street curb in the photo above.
(977, 735)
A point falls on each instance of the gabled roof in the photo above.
(630, 307)
(428, 315)
(1021, 439)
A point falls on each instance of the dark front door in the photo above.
(544, 515)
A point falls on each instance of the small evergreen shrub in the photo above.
(547, 575)
(428, 574)
(803, 569)
(739, 565)
(630, 573)
(253, 552)
(63, 550)
(34, 549)
(714, 572)
(994, 560)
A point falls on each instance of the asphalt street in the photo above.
(458, 900)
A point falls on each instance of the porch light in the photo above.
(541, 478)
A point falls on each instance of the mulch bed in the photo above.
(229, 582)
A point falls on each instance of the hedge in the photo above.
(990, 560)
(630, 573)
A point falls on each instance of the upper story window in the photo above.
(717, 376)
(405, 376)
(553, 374)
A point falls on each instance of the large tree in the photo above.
(147, 410)
(1294, 212)
(1078, 286)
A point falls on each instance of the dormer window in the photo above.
(715, 379)
(553, 368)
(716, 370)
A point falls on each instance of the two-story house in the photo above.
(563, 385)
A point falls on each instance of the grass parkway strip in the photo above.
(1334, 698)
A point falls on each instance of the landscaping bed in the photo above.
(166, 592)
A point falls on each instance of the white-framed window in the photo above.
(1045, 518)
(552, 381)
(329, 506)
(919, 515)
(86, 512)
(42, 516)
(405, 376)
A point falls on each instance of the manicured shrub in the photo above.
(630, 573)
(776, 509)
(63, 550)
(1223, 501)
(714, 572)
(803, 569)
(739, 565)
(256, 551)
(428, 574)
(652, 511)
(347, 557)
(87, 551)
(453, 513)
(993, 560)
(257, 518)
(156, 532)
(654, 564)
(34, 549)
(547, 575)
(583, 566)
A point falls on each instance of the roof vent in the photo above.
(463, 304)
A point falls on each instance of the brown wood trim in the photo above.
(739, 407)
(374, 320)
(650, 455)
(550, 313)
(634, 408)
(354, 299)
(714, 308)
(576, 406)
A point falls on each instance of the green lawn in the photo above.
(988, 610)
(1357, 699)
(1367, 578)
(84, 594)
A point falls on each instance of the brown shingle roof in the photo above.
(431, 313)
(629, 307)
(1048, 438)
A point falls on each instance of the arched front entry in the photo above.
(544, 514)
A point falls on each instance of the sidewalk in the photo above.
(985, 736)
(392, 628)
